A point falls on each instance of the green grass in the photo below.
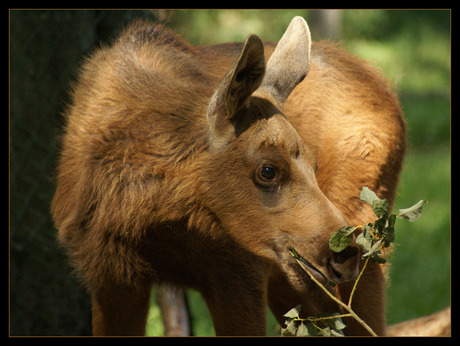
(413, 50)
(154, 323)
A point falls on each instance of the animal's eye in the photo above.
(267, 175)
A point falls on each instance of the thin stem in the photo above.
(361, 322)
(327, 317)
(356, 282)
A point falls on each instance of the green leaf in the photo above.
(326, 331)
(338, 323)
(380, 208)
(335, 324)
(341, 238)
(389, 231)
(373, 249)
(412, 213)
(391, 221)
(375, 254)
(290, 329)
(368, 196)
(302, 330)
(364, 240)
(379, 225)
(293, 313)
(314, 329)
(337, 332)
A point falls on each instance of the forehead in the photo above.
(277, 131)
(265, 132)
(276, 135)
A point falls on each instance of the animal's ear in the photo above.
(232, 94)
(290, 62)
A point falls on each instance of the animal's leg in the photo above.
(238, 308)
(174, 311)
(120, 310)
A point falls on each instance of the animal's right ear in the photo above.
(290, 62)
(233, 92)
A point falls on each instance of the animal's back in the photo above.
(348, 115)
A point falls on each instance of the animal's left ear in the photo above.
(290, 62)
(233, 92)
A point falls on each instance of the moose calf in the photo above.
(199, 166)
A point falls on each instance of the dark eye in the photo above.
(268, 172)
(267, 176)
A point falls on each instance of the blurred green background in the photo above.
(412, 47)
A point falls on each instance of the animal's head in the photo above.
(260, 176)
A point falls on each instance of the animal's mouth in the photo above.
(314, 271)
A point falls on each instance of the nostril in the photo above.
(339, 258)
(344, 272)
(344, 265)
(343, 256)
(336, 273)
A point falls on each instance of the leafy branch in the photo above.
(373, 238)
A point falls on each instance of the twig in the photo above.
(356, 282)
(338, 301)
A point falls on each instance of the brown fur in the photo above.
(157, 181)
